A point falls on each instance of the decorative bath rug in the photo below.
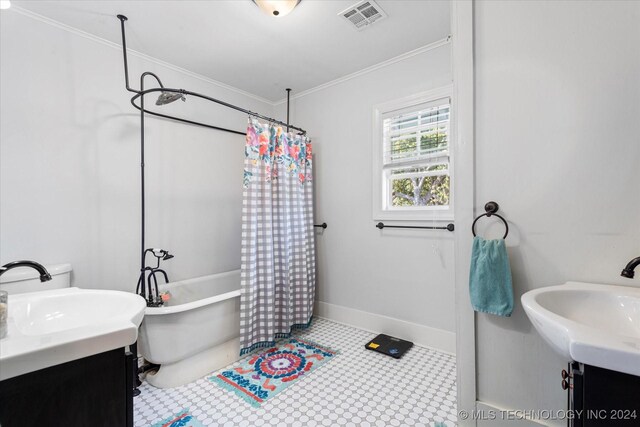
(266, 374)
(181, 419)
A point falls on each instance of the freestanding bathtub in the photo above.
(196, 332)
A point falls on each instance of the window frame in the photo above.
(379, 179)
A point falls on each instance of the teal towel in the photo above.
(490, 284)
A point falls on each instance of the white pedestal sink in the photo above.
(53, 327)
(594, 324)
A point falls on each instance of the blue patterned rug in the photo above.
(181, 419)
(266, 374)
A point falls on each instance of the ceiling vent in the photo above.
(363, 14)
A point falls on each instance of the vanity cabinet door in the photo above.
(602, 398)
(94, 391)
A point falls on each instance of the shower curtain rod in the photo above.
(140, 94)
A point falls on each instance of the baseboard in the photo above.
(493, 416)
(421, 335)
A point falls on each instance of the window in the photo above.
(413, 163)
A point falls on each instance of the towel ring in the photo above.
(490, 209)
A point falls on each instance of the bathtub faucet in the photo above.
(152, 275)
(151, 293)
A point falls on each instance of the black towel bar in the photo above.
(449, 227)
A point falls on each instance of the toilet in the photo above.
(25, 279)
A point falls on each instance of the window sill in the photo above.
(419, 217)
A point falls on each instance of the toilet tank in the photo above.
(25, 279)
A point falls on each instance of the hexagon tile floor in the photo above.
(358, 388)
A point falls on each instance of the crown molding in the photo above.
(367, 70)
(92, 37)
(135, 53)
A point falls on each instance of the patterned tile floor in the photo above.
(358, 388)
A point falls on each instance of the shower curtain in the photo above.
(278, 250)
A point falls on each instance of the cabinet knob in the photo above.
(565, 385)
(565, 374)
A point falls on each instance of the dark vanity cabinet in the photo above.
(95, 391)
(601, 397)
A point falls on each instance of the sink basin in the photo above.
(589, 323)
(52, 327)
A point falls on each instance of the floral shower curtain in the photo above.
(278, 250)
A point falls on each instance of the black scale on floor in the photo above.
(391, 346)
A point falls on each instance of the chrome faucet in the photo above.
(628, 270)
(44, 274)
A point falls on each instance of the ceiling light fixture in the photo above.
(277, 8)
(5, 4)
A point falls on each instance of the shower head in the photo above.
(169, 97)
(160, 253)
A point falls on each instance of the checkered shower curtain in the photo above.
(278, 251)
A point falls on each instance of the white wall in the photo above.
(69, 180)
(557, 125)
(402, 274)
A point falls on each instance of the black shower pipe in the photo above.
(208, 98)
(288, 97)
(140, 94)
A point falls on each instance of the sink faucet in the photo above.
(628, 270)
(44, 274)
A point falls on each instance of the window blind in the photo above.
(419, 135)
